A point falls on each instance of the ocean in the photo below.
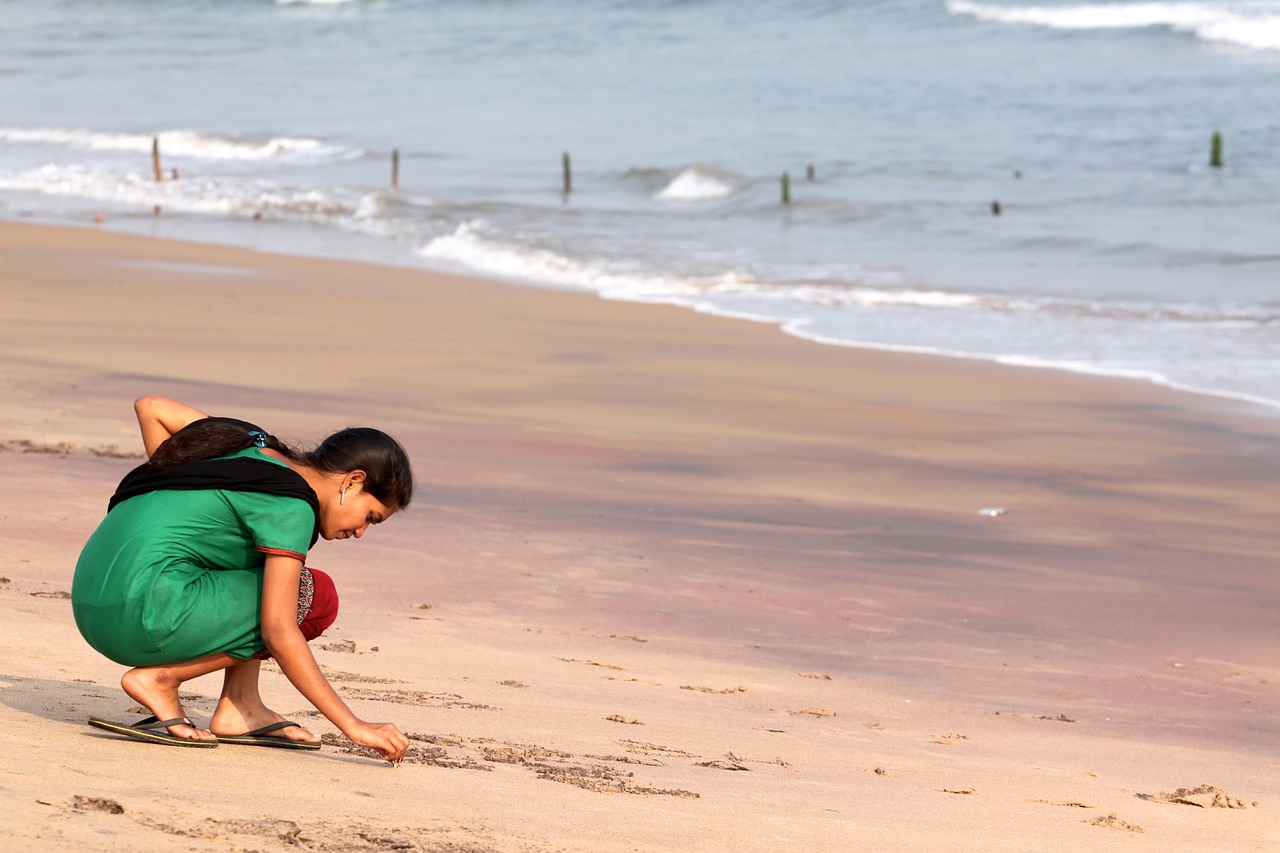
(1024, 182)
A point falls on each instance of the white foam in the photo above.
(696, 184)
(469, 247)
(1253, 24)
(213, 196)
(184, 143)
(1254, 34)
(869, 297)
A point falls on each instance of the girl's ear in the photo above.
(355, 480)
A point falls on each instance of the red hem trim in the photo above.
(281, 552)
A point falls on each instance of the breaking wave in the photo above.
(185, 143)
(1254, 25)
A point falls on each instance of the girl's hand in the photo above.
(384, 738)
(283, 639)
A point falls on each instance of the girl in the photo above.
(198, 567)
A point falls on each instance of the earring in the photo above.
(342, 497)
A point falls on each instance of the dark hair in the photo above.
(389, 477)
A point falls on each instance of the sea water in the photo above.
(1026, 181)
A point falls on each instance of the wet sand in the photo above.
(670, 582)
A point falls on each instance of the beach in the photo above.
(669, 582)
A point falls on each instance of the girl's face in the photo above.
(349, 513)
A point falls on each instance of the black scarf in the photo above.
(240, 474)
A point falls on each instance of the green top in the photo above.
(172, 575)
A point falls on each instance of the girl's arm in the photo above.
(159, 418)
(287, 646)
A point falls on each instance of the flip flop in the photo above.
(152, 730)
(261, 737)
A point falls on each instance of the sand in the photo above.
(670, 582)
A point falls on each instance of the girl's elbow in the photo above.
(276, 636)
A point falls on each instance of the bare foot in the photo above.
(154, 688)
(230, 719)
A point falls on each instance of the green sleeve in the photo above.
(275, 524)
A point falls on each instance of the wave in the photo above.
(473, 245)
(987, 327)
(209, 196)
(470, 247)
(1253, 24)
(186, 144)
(697, 184)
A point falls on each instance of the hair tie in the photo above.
(259, 437)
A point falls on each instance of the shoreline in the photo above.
(1157, 380)
(375, 251)
(660, 543)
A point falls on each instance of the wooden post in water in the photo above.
(395, 168)
(568, 173)
(155, 158)
(786, 188)
(1215, 151)
(809, 173)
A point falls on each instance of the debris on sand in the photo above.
(1205, 797)
(1112, 821)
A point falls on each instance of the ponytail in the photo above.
(208, 438)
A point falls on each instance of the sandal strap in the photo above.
(274, 727)
(153, 723)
